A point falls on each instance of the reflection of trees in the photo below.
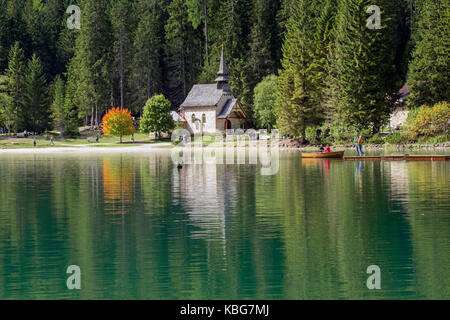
(118, 184)
(223, 231)
(429, 194)
(47, 210)
(333, 227)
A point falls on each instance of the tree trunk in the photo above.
(122, 84)
(182, 63)
(149, 77)
(183, 70)
(206, 31)
(96, 114)
(112, 94)
(303, 138)
(141, 92)
(92, 117)
(375, 129)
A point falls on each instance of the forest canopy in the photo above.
(329, 65)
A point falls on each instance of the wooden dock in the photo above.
(405, 157)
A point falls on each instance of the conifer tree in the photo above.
(3, 32)
(36, 95)
(298, 98)
(91, 63)
(429, 67)
(122, 23)
(14, 109)
(323, 39)
(323, 55)
(57, 108)
(364, 64)
(148, 48)
(4, 100)
(65, 48)
(197, 14)
(183, 59)
(71, 108)
(263, 35)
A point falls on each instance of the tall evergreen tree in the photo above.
(197, 14)
(148, 46)
(15, 114)
(365, 64)
(298, 98)
(323, 54)
(36, 100)
(65, 48)
(43, 26)
(4, 100)
(429, 67)
(3, 44)
(13, 28)
(122, 24)
(91, 65)
(183, 61)
(57, 108)
(283, 15)
(264, 48)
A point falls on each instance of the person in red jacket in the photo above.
(327, 149)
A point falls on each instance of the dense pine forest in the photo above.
(295, 64)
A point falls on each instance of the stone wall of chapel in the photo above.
(196, 126)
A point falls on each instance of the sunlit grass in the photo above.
(10, 142)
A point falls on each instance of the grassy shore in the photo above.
(43, 141)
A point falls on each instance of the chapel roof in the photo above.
(223, 70)
(226, 110)
(202, 95)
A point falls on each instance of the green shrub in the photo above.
(412, 114)
(394, 138)
(340, 135)
(71, 131)
(375, 139)
(429, 121)
(366, 132)
(436, 139)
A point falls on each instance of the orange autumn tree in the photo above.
(118, 122)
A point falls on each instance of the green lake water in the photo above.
(138, 228)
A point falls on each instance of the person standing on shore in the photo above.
(52, 143)
(34, 142)
(355, 143)
(360, 142)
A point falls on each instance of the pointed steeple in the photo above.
(223, 78)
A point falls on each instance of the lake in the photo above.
(139, 228)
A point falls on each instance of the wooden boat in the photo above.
(334, 154)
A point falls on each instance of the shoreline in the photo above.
(284, 145)
(75, 149)
(438, 146)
